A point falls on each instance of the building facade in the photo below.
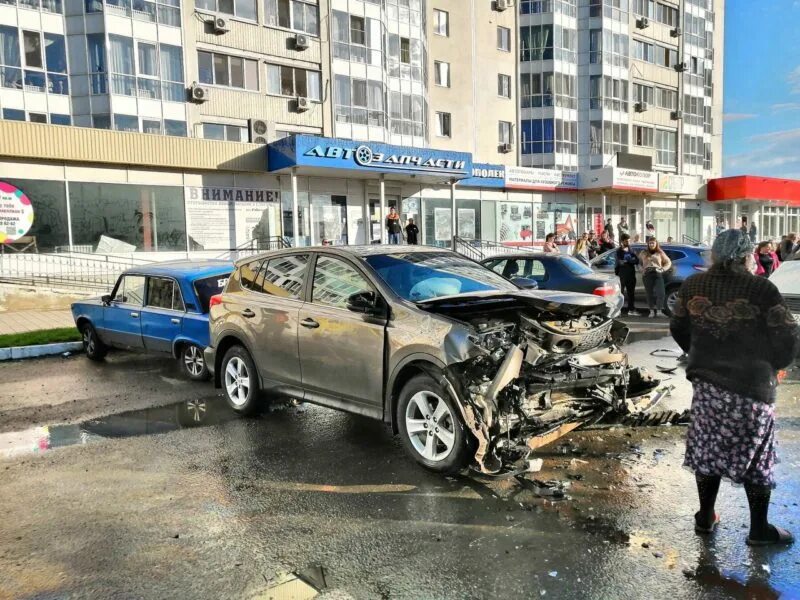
(159, 125)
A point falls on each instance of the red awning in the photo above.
(760, 189)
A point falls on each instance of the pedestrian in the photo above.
(766, 259)
(788, 246)
(637, 239)
(606, 243)
(609, 229)
(753, 233)
(738, 334)
(670, 240)
(622, 227)
(393, 226)
(626, 271)
(594, 247)
(649, 231)
(550, 244)
(412, 232)
(654, 263)
(581, 250)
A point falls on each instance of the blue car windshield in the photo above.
(420, 276)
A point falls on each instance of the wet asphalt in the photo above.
(122, 480)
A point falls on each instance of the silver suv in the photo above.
(463, 364)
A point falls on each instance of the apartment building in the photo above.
(199, 127)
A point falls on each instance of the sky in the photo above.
(761, 133)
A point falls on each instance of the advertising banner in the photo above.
(442, 225)
(631, 179)
(679, 184)
(526, 178)
(16, 213)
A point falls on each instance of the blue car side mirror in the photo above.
(106, 299)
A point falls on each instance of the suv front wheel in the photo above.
(430, 426)
(240, 381)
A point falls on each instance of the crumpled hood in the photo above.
(570, 304)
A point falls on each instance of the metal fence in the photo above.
(480, 249)
(256, 246)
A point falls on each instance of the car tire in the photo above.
(192, 362)
(94, 348)
(436, 438)
(240, 381)
(671, 297)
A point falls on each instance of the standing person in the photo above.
(609, 229)
(649, 231)
(393, 227)
(753, 233)
(787, 246)
(738, 334)
(606, 243)
(550, 244)
(654, 263)
(581, 250)
(412, 232)
(622, 228)
(594, 247)
(626, 271)
(766, 259)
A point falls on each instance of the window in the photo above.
(537, 136)
(13, 114)
(126, 123)
(665, 98)
(291, 81)
(642, 93)
(441, 72)
(176, 128)
(60, 120)
(210, 286)
(655, 54)
(405, 51)
(441, 22)
(357, 31)
(151, 126)
(504, 132)
(164, 293)
(359, 101)
(227, 133)
(284, 276)
(230, 71)
(504, 86)
(32, 44)
(335, 281)
(130, 290)
(244, 9)
(443, 124)
(37, 117)
(504, 39)
(666, 147)
(642, 136)
(536, 43)
(521, 268)
(293, 14)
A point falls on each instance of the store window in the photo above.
(437, 226)
(49, 200)
(127, 218)
(293, 14)
(328, 216)
(468, 219)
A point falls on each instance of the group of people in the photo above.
(395, 229)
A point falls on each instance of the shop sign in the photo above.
(678, 184)
(232, 194)
(485, 176)
(16, 213)
(631, 179)
(524, 178)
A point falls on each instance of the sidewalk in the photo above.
(33, 320)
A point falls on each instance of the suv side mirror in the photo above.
(363, 302)
(525, 283)
(106, 299)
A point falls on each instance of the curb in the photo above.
(19, 352)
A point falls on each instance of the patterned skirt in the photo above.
(731, 436)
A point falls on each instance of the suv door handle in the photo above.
(248, 314)
(135, 315)
(310, 323)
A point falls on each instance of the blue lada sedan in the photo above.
(160, 308)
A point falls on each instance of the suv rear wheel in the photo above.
(672, 297)
(240, 381)
(430, 426)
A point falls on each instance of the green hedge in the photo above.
(43, 336)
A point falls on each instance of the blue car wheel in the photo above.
(193, 363)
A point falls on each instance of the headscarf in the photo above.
(731, 246)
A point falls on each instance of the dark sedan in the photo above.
(558, 272)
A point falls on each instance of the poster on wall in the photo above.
(466, 223)
(442, 225)
(16, 213)
(514, 222)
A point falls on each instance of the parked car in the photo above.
(464, 365)
(686, 261)
(558, 272)
(787, 279)
(161, 307)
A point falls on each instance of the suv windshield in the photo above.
(419, 276)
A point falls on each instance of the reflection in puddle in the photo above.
(191, 413)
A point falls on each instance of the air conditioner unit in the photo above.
(642, 23)
(301, 41)
(220, 25)
(677, 32)
(681, 67)
(501, 5)
(259, 131)
(506, 148)
(303, 104)
(640, 107)
(198, 93)
(676, 115)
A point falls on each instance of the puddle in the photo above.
(148, 421)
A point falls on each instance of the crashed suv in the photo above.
(465, 366)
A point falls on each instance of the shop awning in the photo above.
(752, 188)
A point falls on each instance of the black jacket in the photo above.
(737, 331)
(412, 233)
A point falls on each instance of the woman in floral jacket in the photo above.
(738, 334)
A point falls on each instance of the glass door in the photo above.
(328, 220)
(377, 233)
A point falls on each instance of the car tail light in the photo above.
(605, 290)
(215, 300)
